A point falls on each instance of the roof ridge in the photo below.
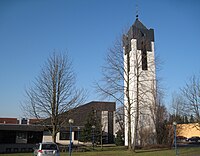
(138, 24)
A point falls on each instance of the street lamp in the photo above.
(93, 127)
(71, 121)
(175, 143)
(78, 133)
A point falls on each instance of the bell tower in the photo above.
(139, 82)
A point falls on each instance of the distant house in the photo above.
(19, 137)
(21, 121)
(188, 130)
(105, 111)
(34, 121)
(9, 121)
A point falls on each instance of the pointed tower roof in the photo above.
(141, 33)
(139, 24)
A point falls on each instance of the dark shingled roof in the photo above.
(17, 127)
(139, 32)
(139, 24)
(80, 114)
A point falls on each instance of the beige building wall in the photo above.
(188, 130)
(48, 138)
(104, 121)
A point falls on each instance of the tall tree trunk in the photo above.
(129, 103)
(54, 133)
(54, 128)
(137, 107)
(129, 132)
(101, 139)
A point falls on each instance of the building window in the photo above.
(64, 135)
(34, 137)
(21, 137)
(47, 133)
(7, 137)
(75, 135)
(110, 127)
(144, 59)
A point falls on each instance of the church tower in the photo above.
(140, 85)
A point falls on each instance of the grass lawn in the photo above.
(121, 151)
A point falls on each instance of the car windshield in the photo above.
(49, 147)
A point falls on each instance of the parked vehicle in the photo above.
(181, 138)
(46, 149)
(194, 139)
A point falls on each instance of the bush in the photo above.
(119, 140)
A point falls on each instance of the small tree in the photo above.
(178, 106)
(53, 92)
(161, 123)
(92, 120)
(119, 125)
(192, 119)
(119, 140)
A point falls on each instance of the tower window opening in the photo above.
(144, 59)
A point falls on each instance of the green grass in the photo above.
(121, 151)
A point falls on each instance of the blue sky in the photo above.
(30, 30)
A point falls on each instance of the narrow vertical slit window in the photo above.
(144, 59)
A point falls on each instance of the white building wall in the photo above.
(48, 138)
(104, 121)
(147, 78)
(64, 142)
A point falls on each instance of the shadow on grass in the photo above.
(151, 150)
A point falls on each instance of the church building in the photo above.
(140, 85)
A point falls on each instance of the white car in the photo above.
(46, 149)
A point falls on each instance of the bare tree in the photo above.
(191, 93)
(112, 84)
(162, 124)
(178, 104)
(53, 92)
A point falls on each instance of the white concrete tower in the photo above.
(139, 82)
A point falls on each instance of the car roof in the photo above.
(48, 143)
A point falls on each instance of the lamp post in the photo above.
(93, 127)
(71, 121)
(175, 143)
(78, 134)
